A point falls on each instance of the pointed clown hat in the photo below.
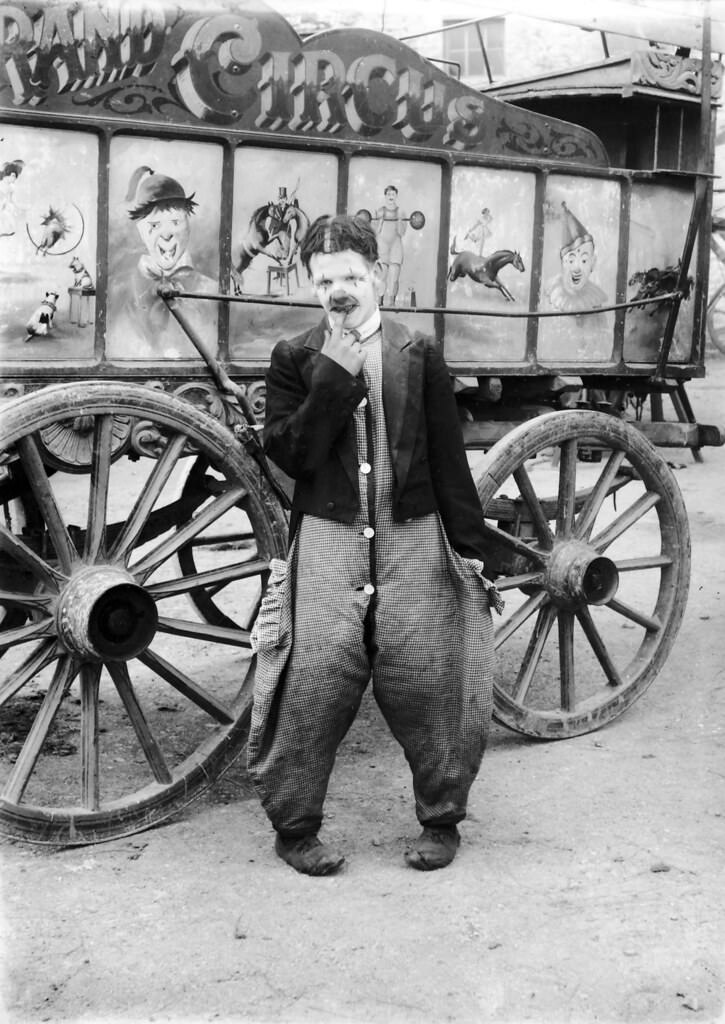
(573, 232)
(147, 189)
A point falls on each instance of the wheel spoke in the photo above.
(98, 494)
(595, 499)
(28, 558)
(519, 617)
(625, 521)
(204, 631)
(64, 674)
(651, 623)
(514, 582)
(537, 642)
(178, 539)
(43, 654)
(90, 789)
(209, 540)
(152, 752)
(566, 660)
(220, 577)
(567, 488)
(520, 547)
(21, 635)
(188, 687)
(148, 497)
(598, 646)
(541, 524)
(646, 562)
(42, 491)
(254, 611)
(25, 600)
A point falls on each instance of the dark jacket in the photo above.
(309, 433)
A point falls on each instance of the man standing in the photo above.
(391, 224)
(384, 576)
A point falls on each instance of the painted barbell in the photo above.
(416, 219)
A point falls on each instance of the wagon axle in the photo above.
(576, 574)
(104, 615)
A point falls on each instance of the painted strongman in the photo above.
(391, 224)
(384, 577)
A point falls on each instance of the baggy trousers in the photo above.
(372, 598)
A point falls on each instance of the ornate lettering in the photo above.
(370, 93)
(273, 99)
(316, 102)
(212, 64)
(68, 48)
(419, 105)
(16, 38)
(466, 123)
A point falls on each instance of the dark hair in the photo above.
(390, 188)
(163, 204)
(336, 234)
(12, 167)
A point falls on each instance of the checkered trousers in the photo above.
(374, 597)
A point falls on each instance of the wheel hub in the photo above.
(578, 575)
(104, 615)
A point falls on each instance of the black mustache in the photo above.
(342, 304)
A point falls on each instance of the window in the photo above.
(463, 46)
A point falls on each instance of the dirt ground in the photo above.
(589, 885)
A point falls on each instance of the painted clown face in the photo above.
(577, 264)
(165, 233)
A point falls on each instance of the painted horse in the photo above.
(274, 230)
(484, 269)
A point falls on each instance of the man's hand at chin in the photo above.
(346, 351)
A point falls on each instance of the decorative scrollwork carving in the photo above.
(257, 398)
(672, 71)
(12, 389)
(217, 404)
(147, 439)
(520, 136)
(68, 445)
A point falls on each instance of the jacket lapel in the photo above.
(316, 337)
(347, 445)
(402, 388)
(402, 382)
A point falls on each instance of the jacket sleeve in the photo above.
(303, 420)
(455, 491)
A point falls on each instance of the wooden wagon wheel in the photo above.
(611, 572)
(217, 601)
(116, 707)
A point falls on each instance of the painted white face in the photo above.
(576, 266)
(346, 281)
(165, 233)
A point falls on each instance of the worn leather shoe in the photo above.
(435, 848)
(308, 855)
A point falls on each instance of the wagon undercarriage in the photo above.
(127, 669)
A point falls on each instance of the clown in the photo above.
(162, 211)
(572, 289)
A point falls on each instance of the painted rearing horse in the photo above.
(484, 269)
